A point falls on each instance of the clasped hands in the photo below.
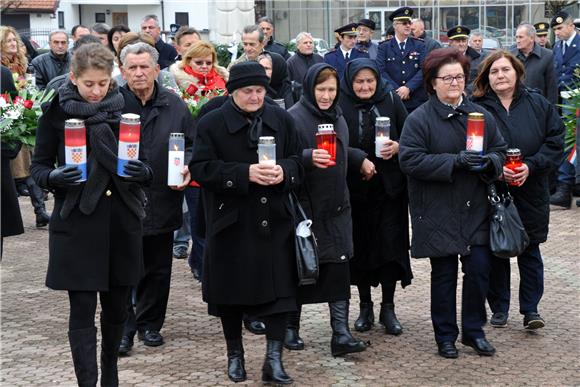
(473, 161)
(266, 174)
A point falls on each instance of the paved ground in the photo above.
(34, 347)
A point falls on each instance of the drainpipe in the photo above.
(80, 15)
(162, 16)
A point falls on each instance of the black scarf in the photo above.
(102, 160)
(280, 85)
(255, 121)
(308, 100)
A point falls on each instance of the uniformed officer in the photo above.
(366, 29)
(346, 50)
(458, 38)
(400, 60)
(542, 30)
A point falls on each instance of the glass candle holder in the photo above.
(326, 139)
(267, 150)
(475, 132)
(75, 146)
(513, 161)
(382, 133)
(129, 133)
(176, 159)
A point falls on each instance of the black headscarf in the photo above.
(351, 70)
(279, 83)
(309, 101)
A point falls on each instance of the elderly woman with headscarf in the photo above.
(379, 205)
(280, 89)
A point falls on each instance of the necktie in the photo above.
(402, 44)
(346, 56)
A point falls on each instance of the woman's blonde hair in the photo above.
(19, 64)
(199, 50)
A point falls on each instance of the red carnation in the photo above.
(28, 104)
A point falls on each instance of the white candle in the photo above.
(174, 167)
(379, 142)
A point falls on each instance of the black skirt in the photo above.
(333, 284)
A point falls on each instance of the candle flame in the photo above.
(175, 147)
(265, 157)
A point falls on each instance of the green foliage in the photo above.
(569, 108)
(224, 55)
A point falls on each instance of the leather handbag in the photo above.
(306, 248)
(507, 235)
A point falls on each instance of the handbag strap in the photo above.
(492, 195)
(296, 204)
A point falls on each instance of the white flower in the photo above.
(3, 102)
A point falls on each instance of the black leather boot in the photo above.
(83, 347)
(563, 195)
(388, 318)
(366, 317)
(273, 369)
(37, 200)
(293, 341)
(236, 362)
(257, 327)
(111, 339)
(342, 341)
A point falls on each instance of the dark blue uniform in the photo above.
(404, 68)
(567, 63)
(335, 58)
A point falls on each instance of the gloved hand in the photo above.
(485, 165)
(64, 176)
(137, 170)
(468, 160)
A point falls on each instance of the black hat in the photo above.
(173, 28)
(249, 73)
(401, 14)
(349, 29)
(559, 18)
(458, 32)
(390, 31)
(541, 28)
(367, 23)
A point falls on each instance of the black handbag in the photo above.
(306, 249)
(507, 235)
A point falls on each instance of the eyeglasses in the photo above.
(404, 22)
(448, 79)
(202, 62)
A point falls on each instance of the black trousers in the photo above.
(152, 291)
(83, 305)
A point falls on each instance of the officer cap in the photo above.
(458, 32)
(559, 18)
(401, 14)
(541, 28)
(367, 23)
(349, 29)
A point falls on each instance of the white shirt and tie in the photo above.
(345, 54)
(566, 43)
(401, 43)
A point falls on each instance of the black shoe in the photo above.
(563, 196)
(196, 275)
(257, 327)
(498, 320)
(388, 318)
(126, 345)
(533, 321)
(42, 218)
(273, 369)
(236, 362)
(366, 317)
(180, 251)
(22, 189)
(447, 349)
(151, 338)
(481, 346)
(342, 341)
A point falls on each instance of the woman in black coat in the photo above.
(448, 199)
(280, 88)
(530, 123)
(324, 195)
(249, 262)
(379, 205)
(95, 231)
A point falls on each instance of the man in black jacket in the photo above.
(299, 63)
(161, 112)
(418, 31)
(55, 62)
(267, 25)
(167, 53)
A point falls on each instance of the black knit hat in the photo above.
(249, 73)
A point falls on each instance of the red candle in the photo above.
(475, 132)
(513, 161)
(326, 139)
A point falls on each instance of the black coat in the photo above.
(449, 207)
(168, 114)
(540, 71)
(534, 126)
(277, 48)
(380, 208)
(86, 252)
(298, 66)
(249, 255)
(167, 54)
(48, 66)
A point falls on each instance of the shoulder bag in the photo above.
(306, 249)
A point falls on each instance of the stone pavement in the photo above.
(35, 352)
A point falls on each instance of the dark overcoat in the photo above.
(449, 207)
(249, 256)
(540, 71)
(86, 252)
(534, 126)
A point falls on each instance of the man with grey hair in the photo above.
(476, 42)
(418, 31)
(53, 63)
(267, 26)
(252, 42)
(101, 31)
(161, 112)
(301, 61)
(167, 53)
(538, 61)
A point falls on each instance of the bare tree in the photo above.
(9, 5)
(555, 6)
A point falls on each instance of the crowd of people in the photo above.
(236, 209)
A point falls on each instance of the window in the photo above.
(60, 20)
(182, 18)
(100, 17)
